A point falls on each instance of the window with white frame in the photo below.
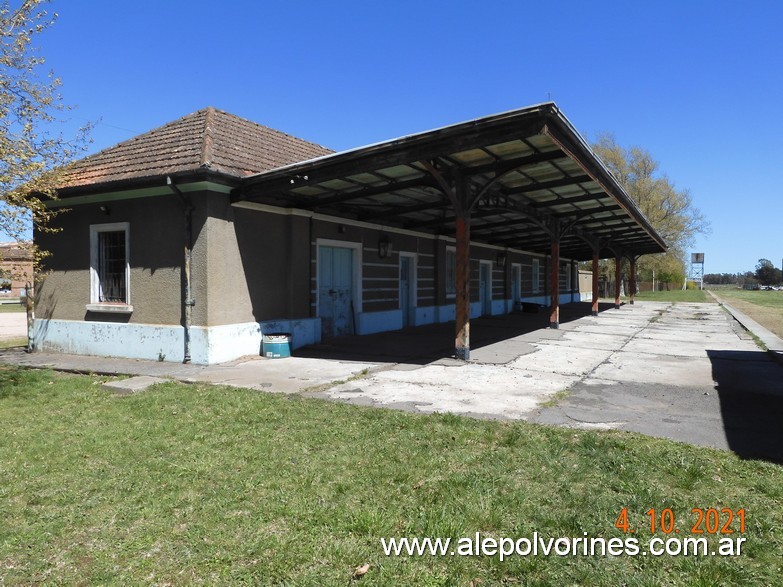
(109, 266)
(536, 276)
(451, 272)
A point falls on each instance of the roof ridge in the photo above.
(265, 127)
(208, 141)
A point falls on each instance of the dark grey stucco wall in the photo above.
(156, 228)
(270, 253)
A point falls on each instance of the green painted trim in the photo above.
(198, 186)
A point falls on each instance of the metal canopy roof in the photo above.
(529, 174)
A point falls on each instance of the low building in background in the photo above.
(16, 269)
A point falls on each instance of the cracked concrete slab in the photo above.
(582, 338)
(289, 375)
(561, 359)
(692, 414)
(133, 384)
(656, 368)
(473, 388)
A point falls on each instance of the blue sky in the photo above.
(696, 83)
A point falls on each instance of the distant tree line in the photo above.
(669, 209)
(765, 274)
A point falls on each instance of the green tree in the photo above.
(670, 210)
(766, 273)
(31, 148)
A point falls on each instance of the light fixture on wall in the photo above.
(500, 261)
(105, 210)
(384, 247)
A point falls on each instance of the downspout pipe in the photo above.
(188, 302)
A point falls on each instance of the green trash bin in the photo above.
(277, 345)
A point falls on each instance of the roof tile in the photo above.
(208, 139)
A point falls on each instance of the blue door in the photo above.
(516, 283)
(335, 291)
(406, 291)
(485, 288)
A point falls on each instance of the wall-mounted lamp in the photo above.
(105, 209)
(500, 261)
(384, 247)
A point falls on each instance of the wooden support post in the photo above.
(618, 276)
(595, 282)
(462, 279)
(632, 279)
(456, 189)
(554, 310)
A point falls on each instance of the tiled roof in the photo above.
(15, 251)
(208, 139)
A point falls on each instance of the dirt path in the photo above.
(13, 325)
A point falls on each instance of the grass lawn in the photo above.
(12, 308)
(765, 307)
(206, 485)
(675, 295)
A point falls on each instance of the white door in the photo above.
(485, 288)
(335, 291)
(407, 290)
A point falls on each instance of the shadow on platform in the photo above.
(421, 345)
(750, 388)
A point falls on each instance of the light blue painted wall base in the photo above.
(428, 315)
(540, 300)
(372, 322)
(109, 339)
(446, 313)
(543, 300)
(218, 344)
(208, 345)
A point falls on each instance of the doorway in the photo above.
(335, 290)
(408, 289)
(516, 283)
(485, 288)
